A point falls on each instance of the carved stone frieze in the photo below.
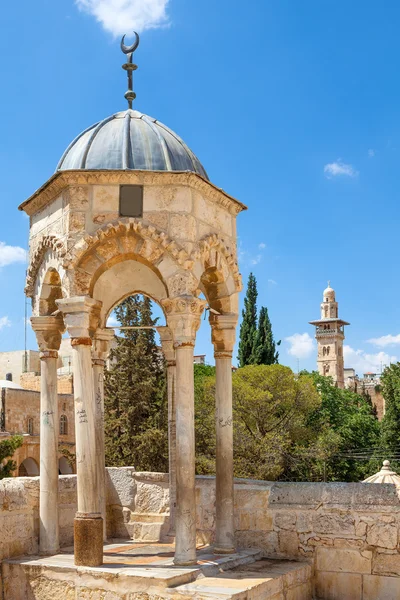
(58, 182)
(48, 332)
(223, 333)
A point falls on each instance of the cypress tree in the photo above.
(248, 327)
(264, 349)
(135, 393)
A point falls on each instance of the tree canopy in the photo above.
(248, 327)
(135, 393)
(7, 449)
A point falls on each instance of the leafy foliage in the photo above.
(7, 449)
(391, 421)
(136, 421)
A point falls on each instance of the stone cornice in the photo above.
(59, 181)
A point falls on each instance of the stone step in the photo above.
(263, 579)
(135, 571)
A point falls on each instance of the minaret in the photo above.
(330, 335)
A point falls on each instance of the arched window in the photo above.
(326, 311)
(323, 351)
(328, 350)
(30, 426)
(63, 425)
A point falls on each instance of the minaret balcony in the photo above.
(320, 332)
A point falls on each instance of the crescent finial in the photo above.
(129, 49)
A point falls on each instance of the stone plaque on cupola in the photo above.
(130, 209)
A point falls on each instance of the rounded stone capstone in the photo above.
(130, 140)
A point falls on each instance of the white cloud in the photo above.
(339, 168)
(11, 254)
(4, 322)
(256, 260)
(301, 345)
(123, 16)
(371, 153)
(262, 246)
(272, 282)
(385, 340)
(363, 362)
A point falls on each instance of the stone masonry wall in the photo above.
(348, 532)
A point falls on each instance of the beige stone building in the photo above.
(330, 336)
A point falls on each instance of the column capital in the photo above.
(81, 316)
(48, 332)
(167, 344)
(183, 318)
(102, 339)
(223, 334)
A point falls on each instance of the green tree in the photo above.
(7, 449)
(248, 327)
(264, 348)
(136, 421)
(390, 381)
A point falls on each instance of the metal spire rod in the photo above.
(129, 67)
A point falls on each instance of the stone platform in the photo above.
(134, 571)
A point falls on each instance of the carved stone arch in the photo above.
(218, 271)
(124, 240)
(47, 243)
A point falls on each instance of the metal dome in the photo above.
(130, 140)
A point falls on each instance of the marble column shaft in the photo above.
(101, 347)
(81, 317)
(223, 337)
(183, 319)
(48, 332)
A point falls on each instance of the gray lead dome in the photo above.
(130, 140)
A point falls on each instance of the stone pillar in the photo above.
(48, 333)
(101, 348)
(167, 345)
(183, 319)
(81, 315)
(223, 338)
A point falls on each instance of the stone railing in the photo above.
(349, 532)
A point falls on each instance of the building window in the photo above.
(30, 426)
(63, 425)
(131, 200)
(328, 350)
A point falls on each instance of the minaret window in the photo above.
(326, 311)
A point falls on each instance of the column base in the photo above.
(184, 563)
(224, 550)
(88, 540)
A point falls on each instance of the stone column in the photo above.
(167, 345)
(81, 315)
(183, 319)
(101, 348)
(223, 329)
(48, 333)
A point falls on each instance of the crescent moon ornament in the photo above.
(130, 49)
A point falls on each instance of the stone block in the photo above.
(334, 523)
(170, 198)
(158, 219)
(100, 218)
(300, 592)
(251, 498)
(285, 520)
(77, 222)
(151, 498)
(382, 535)
(212, 214)
(121, 486)
(338, 586)
(343, 560)
(288, 543)
(182, 227)
(106, 198)
(299, 495)
(304, 522)
(381, 588)
(386, 564)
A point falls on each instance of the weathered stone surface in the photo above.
(285, 520)
(381, 588)
(121, 487)
(386, 564)
(338, 586)
(106, 198)
(334, 523)
(343, 560)
(382, 535)
(88, 555)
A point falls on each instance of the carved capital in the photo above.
(223, 334)
(101, 344)
(81, 316)
(48, 332)
(183, 318)
(167, 344)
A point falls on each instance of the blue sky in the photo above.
(292, 107)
